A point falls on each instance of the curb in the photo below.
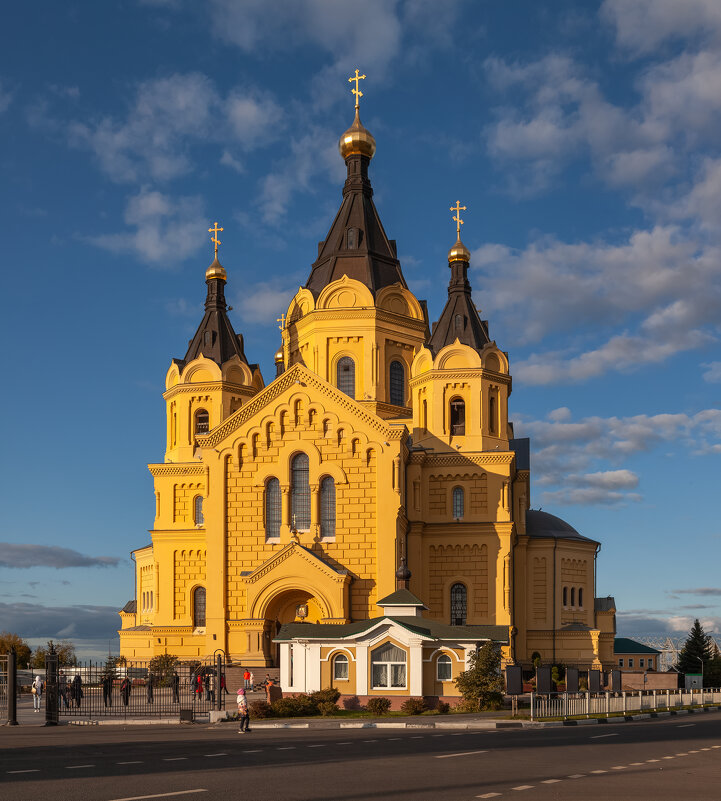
(623, 718)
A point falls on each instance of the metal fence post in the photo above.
(532, 704)
(608, 703)
(12, 688)
(219, 696)
(51, 688)
(588, 704)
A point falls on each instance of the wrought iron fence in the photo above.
(5, 689)
(569, 705)
(140, 689)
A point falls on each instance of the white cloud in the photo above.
(229, 160)
(712, 374)
(265, 301)
(170, 115)
(164, 230)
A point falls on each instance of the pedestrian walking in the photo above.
(77, 689)
(211, 687)
(68, 692)
(223, 685)
(63, 689)
(125, 689)
(246, 679)
(108, 690)
(199, 687)
(176, 687)
(37, 690)
(149, 689)
(269, 684)
(243, 712)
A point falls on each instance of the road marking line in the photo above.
(693, 752)
(488, 795)
(669, 757)
(211, 755)
(254, 751)
(577, 776)
(74, 767)
(619, 767)
(370, 741)
(438, 735)
(390, 739)
(523, 787)
(550, 781)
(417, 737)
(34, 770)
(464, 753)
(159, 795)
(716, 746)
(635, 763)
(135, 762)
(685, 726)
(345, 742)
(683, 754)
(317, 745)
(285, 748)
(705, 749)
(599, 771)
(652, 760)
(598, 736)
(173, 759)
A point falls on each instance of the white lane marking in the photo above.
(75, 767)
(317, 745)
(550, 781)
(464, 753)
(159, 795)
(173, 759)
(705, 749)
(635, 763)
(577, 776)
(438, 735)
(221, 754)
(134, 762)
(390, 739)
(345, 742)
(685, 726)
(463, 734)
(599, 736)
(599, 771)
(693, 752)
(652, 760)
(417, 737)
(370, 741)
(285, 748)
(682, 754)
(254, 751)
(488, 795)
(523, 787)
(34, 770)
(619, 767)
(716, 746)
(669, 757)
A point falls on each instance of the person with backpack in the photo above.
(243, 712)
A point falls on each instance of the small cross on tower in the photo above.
(457, 217)
(215, 230)
(357, 92)
(281, 320)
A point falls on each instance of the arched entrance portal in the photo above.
(289, 606)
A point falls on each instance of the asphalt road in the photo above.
(676, 758)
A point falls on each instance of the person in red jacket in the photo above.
(246, 679)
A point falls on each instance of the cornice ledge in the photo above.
(177, 469)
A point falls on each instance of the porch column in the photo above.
(285, 665)
(415, 667)
(361, 670)
(312, 675)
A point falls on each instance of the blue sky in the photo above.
(582, 137)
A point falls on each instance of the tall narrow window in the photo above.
(199, 607)
(565, 596)
(273, 509)
(580, 597)
(198, 518)
(573, 596)
(459, 322)
(457, 503)
(327, 507)
(424, 415)
(340, 667)
(443, 668)
(459, 605)
(397, 384)
(202, 421)
(300, 492)
(458, 417)
(492, 413)
(345, 376)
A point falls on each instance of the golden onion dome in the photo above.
(459, 252)
(216, 270)
(357, 140)
(279, 356)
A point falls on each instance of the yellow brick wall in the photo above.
(540, 584)
(183, 495)
(448, 562)
(189, 569)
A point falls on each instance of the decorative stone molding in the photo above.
(174, 469)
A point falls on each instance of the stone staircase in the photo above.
(234, 679)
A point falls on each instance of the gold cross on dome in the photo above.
(457, 218)
(357, 92)
(215, 230)
(281, 320)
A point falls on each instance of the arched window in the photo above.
(300, 492)
(443, 668)
(458, 503)
(202, 421)
(397, 384)
(580, 597)
(573, 596)
(151, 600)
(340, 667)
(327, 507)
(458, 417)
(388, 667)
(199, 607)
(198, 518)
(459, 604)
(345, 376)
(565, 596)
(273, 509)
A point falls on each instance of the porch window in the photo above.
(388, 667)
(340, 668)
(443, 668)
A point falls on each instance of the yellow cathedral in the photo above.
(363, 520)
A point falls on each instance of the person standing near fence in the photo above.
(108, 689)
(246, 679)
(149, 689)
(252, 680)
(176, 687)
(37, 690)
(125, 688)
(77, 689)
(63, 688)
(199, 687)
(211, 687)
(243, 713)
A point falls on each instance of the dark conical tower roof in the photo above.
(215, 338)
(459, 318)
(356, 245)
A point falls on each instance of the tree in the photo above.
(8, 641)
(162, 667)
(482, 684)
(696, 649)
(64, 649)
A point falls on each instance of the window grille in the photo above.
(198, 518)
(388, 667)
(458, 503)
(300, 492)
(345, 376)
(273, 509)
(340, 667)
(202, 422)
(199, 607)
(458, 417)
(459, 605)
(443, 668)
(327, 507)
(397, 384)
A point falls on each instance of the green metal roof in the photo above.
(401, 597)
(622, 645)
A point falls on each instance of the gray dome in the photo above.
(541, 525)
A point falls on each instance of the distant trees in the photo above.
(8, 641)
(64, 649)
(697, 649)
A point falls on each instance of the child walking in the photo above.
(243, 713)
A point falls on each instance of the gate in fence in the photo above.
(126, 689)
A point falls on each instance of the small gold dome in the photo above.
(279, 356)
(216, 270)
(357, 140)
(459, 252)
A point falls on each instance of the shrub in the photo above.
(329, 695)
(482, 683)
(379, 705)
(327, 708)
(300, 706)
(443, 707)
(259, 709)
(414, 706)
(351, 703)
